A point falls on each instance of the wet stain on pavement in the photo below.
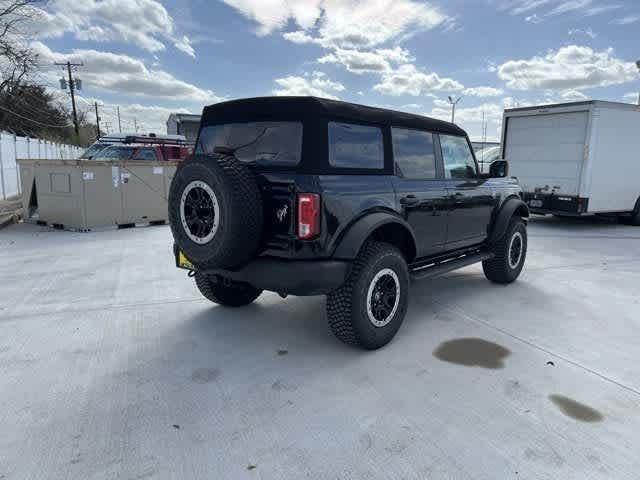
(576, 410)
(205, 375)
(472, 352)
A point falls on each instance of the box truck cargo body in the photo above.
(575, 158)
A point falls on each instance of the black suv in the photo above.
(307, 196)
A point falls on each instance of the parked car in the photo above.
(138, 147)
(306, 196)
(142, 152)
(486, 157)
(576, 158)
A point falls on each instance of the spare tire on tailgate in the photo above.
(215, 211)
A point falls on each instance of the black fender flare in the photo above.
(355, 236)
(511, 207)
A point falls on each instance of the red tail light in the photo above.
(308, 215)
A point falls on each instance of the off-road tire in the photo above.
(239, 230)
(499, 268)
(347, 311)
(233, 294)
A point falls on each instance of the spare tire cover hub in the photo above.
(199, 212)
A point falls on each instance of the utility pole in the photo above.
(72, 89)
(135, 125)
(97, 121)
(638, 65)
(453, 107)
(119, 124)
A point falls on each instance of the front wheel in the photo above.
(368, 309)
(226, 293)
(509, 254)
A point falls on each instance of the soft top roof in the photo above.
(300, 108)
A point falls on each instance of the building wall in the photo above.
(172, 125)
(189, 130)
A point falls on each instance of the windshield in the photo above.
(115, 153)
(93, 150)
(261, 143)
(488, 154)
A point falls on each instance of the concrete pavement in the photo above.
(113, 366)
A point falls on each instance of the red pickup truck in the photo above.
(131, 147)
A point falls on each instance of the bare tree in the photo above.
(16, 58)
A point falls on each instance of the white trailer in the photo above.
(576, 158)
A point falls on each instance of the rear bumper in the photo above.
(543, 203)
(292, 277)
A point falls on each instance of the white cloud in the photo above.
(319, 85)
(357, 61)
(549, 8)
(299, 36)
(583, 31)
(631, 97)
(573, 96)
(471, 117)
(571, 67)
(341, 23)
(627, 20)
(184, 44)
(125, 75)
(145, 23)
(483, 91)
(408, 80)
(148, 118)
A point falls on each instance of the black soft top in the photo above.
(301, 108)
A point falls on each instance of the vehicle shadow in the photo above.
(582, 226)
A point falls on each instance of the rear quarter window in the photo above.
(355, 146)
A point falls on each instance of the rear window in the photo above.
(260, 143)
(146, 154)
(93, 150)
(115, 153)
(355, 146)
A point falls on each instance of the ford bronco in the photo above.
(308, 196)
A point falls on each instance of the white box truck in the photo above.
(576, 158)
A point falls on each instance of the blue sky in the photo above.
(152, 57)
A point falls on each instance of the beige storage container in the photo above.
(88, 195)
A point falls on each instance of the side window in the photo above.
(355, 146)
(146, 154)
(414, 153)
(457, 157)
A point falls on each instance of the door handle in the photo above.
(458, 198)
(409, 200)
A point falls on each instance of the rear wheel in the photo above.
(226, 292)
(510, 253)
(368, 309)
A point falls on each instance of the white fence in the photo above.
(12, 147)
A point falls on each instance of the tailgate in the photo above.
(278, 199)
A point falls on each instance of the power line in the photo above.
(32, 120)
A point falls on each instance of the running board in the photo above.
(447, 266)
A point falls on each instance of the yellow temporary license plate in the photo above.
(183, 261)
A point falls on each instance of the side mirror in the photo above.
(499, 169)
